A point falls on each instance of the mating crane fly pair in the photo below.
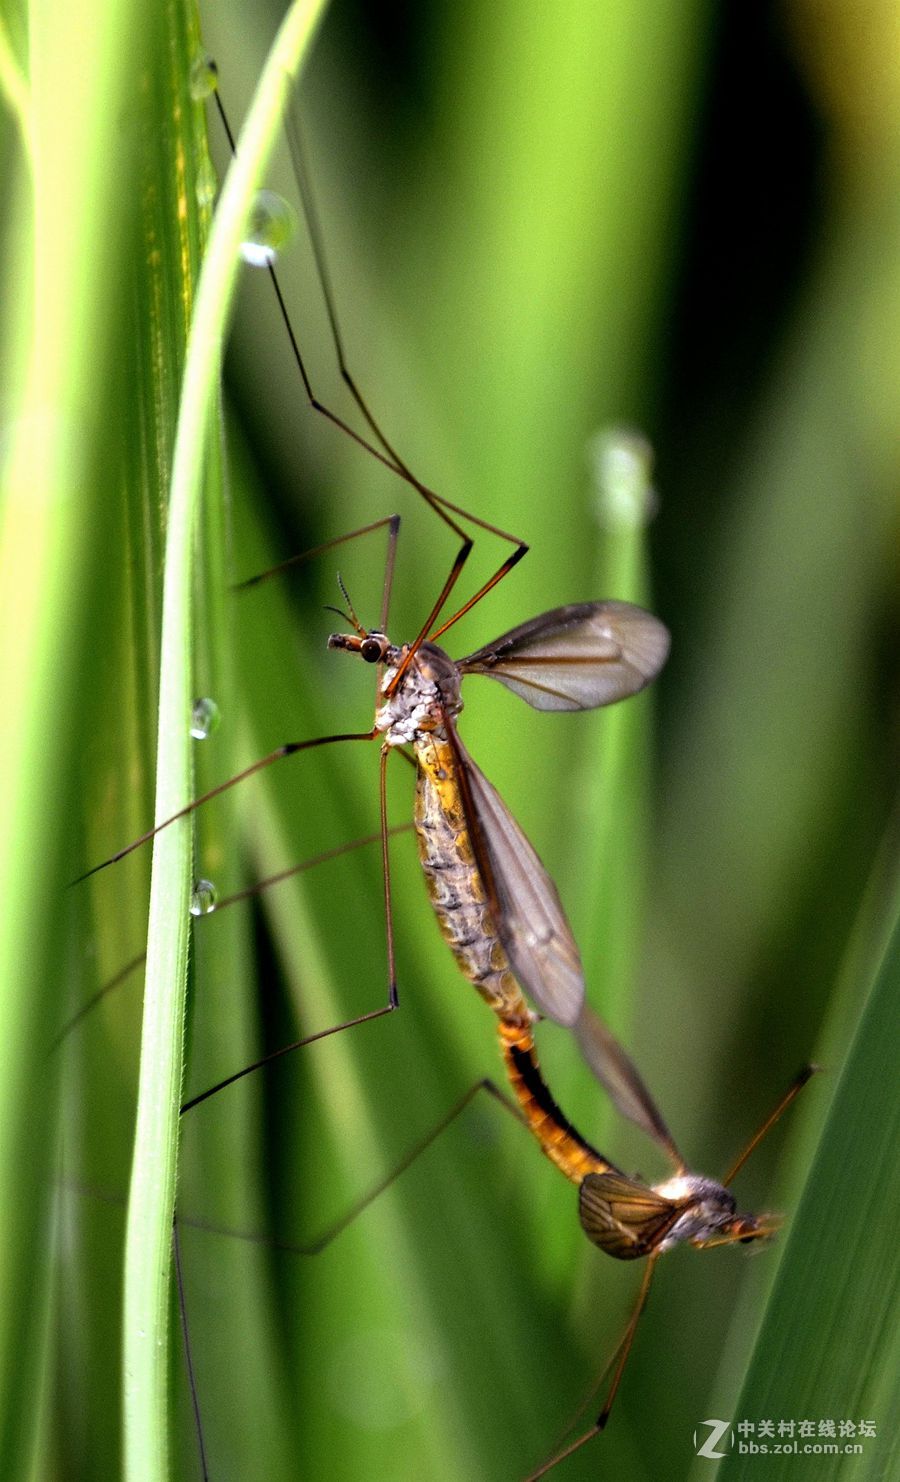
(501, 915)
(496, 906)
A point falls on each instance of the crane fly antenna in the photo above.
(354, 620)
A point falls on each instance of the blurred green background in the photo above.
(541, 222)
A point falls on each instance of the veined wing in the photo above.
(528, 913)
(621, 1080)
(542, 951)
(576, 657)
(623, 1216)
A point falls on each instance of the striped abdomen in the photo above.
(458, 896)
(455, 886)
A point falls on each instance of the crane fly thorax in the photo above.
(414, 704)
(711, 1217)
(428, 690)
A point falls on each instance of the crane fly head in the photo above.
(739, 1229)
(372, 646)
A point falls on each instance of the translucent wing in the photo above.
(623, 1216)
(527, 911)
(576, 657)
(620, 1078)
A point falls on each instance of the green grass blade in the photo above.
(152, 1198)
(828, 1347)
(62, 277)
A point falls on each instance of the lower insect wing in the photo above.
(620, 1078)
(528, 913)
(624, 1217)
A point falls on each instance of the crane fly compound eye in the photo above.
(372, 650)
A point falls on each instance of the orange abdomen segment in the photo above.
(458, 896)
(558, 1138)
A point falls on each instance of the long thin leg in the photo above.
(389, 566)
(792, 1092)
(392, 1003)
(385, 452)
(297, 1044)
(623, 1349)
(91, 1003)
(307, 864)
(455, 572)
(289, 749)
(188, 1355)
(320, 1242)
(489, 585)
(295, 347)
(393, 521)
(247, 893)
(393, 999)
(627, 1341)
(317, 242)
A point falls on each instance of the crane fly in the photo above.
(574, 658)
(624, 1215)
(503, 920)
(577, 657)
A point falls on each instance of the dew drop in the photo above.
(205, 718)
(271, 228)
(203, 898)
(203, 78)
